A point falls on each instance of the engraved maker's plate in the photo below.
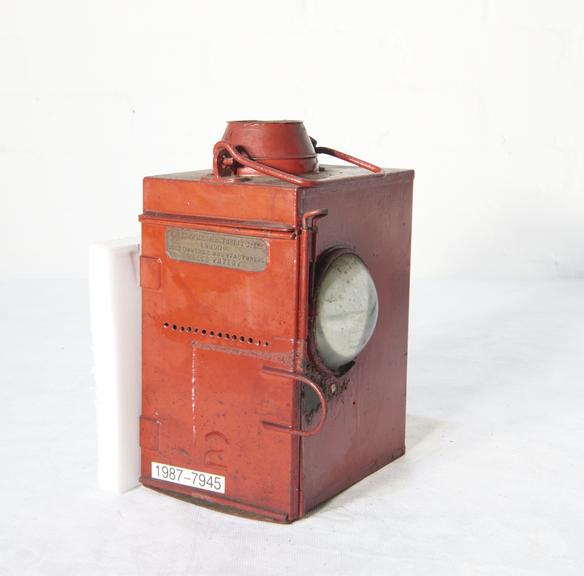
(215, 249)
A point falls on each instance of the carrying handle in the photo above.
(299, 378)
(345, 157)
(225, 155)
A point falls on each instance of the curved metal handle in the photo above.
(348, 158)
(220, 160)
(300, 378)
(225, 154)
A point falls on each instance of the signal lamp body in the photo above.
(274, 316)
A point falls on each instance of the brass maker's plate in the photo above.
(215, 249)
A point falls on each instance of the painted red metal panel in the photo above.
(206, 337)
(365, 428)
(175, 194)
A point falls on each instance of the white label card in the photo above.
(186, 477)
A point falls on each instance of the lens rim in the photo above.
(323, 263)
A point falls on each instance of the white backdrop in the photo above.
(484, 99)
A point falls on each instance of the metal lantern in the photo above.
(274, 317)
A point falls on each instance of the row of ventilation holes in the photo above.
(211, 333)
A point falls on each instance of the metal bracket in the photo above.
(309, 218)
(299, 378)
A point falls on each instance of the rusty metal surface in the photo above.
(231, 384)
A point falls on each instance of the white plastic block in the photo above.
(114, 290)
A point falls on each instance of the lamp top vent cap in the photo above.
(270, 139)
(277, 148)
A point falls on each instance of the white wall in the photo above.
(484, 99)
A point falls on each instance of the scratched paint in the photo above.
(193, 395)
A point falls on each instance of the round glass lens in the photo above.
(346, 311)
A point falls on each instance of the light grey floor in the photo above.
(492, 483)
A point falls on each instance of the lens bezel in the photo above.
(323, 263)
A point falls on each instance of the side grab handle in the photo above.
(298, 378)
